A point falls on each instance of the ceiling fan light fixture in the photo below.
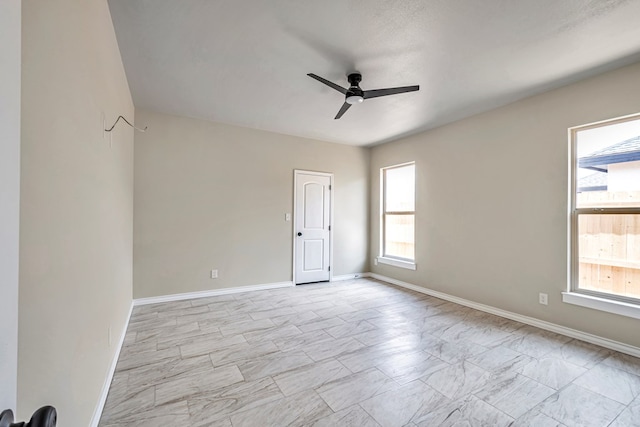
(354, 99)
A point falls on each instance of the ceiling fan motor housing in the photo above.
(354, 93)
(354, 79)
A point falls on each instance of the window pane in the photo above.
(400, 189)
(609, 253)
(608, 166)
(399, 240)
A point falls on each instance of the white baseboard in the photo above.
(97, 414)
(210, 293)
(562, 330)
(349, 277)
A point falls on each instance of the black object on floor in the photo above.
(43, 417)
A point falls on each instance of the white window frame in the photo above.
(618, 304)
(406, 263)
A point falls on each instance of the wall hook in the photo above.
(126, 121)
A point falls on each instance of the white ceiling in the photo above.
(245, 62)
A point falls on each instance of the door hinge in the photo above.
(329, 186)
(329, 268)
(329, 228)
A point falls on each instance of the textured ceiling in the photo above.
(245, 62)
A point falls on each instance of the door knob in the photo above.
(43, 417)
(299, 233)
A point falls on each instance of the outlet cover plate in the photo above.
(543, 299)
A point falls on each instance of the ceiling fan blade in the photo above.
(390, 91)
(343, 110)
(328, 83)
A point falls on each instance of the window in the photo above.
(605, 212)
(398, 215)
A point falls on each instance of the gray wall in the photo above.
(9, 197)
(211, 196)
(76, 219)
(492, 202)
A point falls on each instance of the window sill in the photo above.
(397, 263)
(602, 304)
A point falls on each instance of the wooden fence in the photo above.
(609, 245)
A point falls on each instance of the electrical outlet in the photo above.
(214, 274)
(375, 261)
(287, 217)
(543, 299)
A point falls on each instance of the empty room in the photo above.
(338, 213)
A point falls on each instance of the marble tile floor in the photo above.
(359, 353)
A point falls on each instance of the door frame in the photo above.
(297, 172)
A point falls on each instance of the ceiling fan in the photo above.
(355, 95)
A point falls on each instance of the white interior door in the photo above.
(312, 227)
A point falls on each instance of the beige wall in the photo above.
(211, 196)
(492, 202)
(76, 207)
(9, 197)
